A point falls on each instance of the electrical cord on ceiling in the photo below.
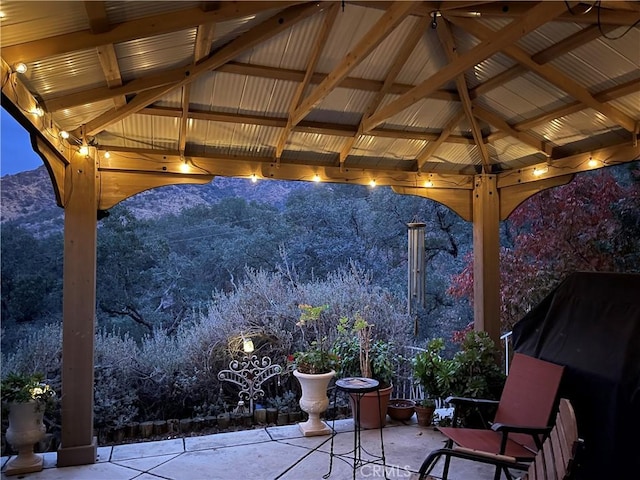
(598, 6)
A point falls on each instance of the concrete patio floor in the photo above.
(267, 453)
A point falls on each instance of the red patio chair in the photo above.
(556, 460)
(523, 416)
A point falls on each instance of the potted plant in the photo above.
(401, 409)
(361, 355)
(26, 397)
(434, 374)
(314, 368)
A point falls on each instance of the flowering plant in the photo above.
(21, 388)
(317, 358)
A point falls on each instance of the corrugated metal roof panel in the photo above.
(71, 118)
(231, 139)
(508, 151)
(350, 26)
(27, 21)
(586, 66)
(343, 106)
(151, 54)
(547, 35)
(575, 127)
(425, 60)
(227, 31)
(142, 131)
(426, 114)
(290, 49)
(629, 104)
(119, 11)
(173, 99)
(66, 73)
(458, 154)
(398, 149)
(376, 65)
(524, 97)
(301, 141)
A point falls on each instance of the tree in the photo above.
(591, 224)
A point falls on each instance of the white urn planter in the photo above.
(314, 401)
(25, 429)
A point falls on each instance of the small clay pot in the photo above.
(401, 409)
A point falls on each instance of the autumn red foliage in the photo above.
(591, 224)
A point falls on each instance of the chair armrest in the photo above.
(472, 402)
(468, 454)
(503, 427)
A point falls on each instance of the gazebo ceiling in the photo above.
(417, 95)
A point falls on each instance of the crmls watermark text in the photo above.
(379, 471)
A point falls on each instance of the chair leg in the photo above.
(430, 462)
(447, 460)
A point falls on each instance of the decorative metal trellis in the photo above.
(249, 374)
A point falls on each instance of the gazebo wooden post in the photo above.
(486, 256)
(78, 446)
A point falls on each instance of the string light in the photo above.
(84, 150)
(593, 163)
(428, 184)
(20, 67)
(64, 134)
(37, 111)
(107, 154)
(316, 178)
(537, 171)
(254, 178)
(372, 183)
(184, 167)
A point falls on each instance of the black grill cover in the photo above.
(591, 324)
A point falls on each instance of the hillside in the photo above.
(28, 197)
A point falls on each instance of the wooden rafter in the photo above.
(552, 75)
(131, 30)
(253, 37)
(401, 59)
(396, 13)
(538, 15)
(446, 38)
(156, 80)
(323, 35)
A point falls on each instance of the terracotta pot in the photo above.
(401, 409)
(314, 401)
(425, 415)
(372, 415)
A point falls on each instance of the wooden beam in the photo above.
(604, 157)
(538, 15)
(139, 28)
(111, 70)
(97, 13)
(403, 55)
(156, 80)
(323, 128)
(448, 44)
(321, 39)
(184, 119)
(204, 41)
(552, 75)
(460, 201)
(396, 13)
(512, 196)
(267, 29)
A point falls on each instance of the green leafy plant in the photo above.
(22, 388)
(360, 354)
(317, 358)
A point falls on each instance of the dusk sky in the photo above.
(16, 154)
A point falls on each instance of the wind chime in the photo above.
(416, 271)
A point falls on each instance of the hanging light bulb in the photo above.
(372, 183)
(254, 178)
(316, 178)
(64, 134)
(428, 184)
(107, 154)
(184, 167)
(593, 163)
(20, 67)
(247, 344)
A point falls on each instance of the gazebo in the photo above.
(477, 105)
